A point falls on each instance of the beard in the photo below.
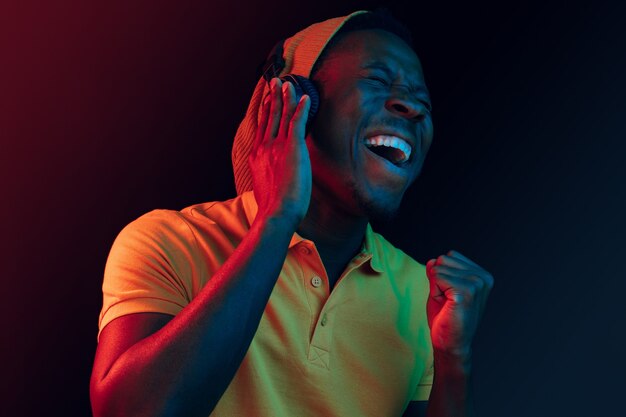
(377, 210)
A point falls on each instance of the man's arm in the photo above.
(156, 365)
(187, 365)
(459, 289)
(451, 394)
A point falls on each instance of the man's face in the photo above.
(371, 90)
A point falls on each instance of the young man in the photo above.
(283, 301)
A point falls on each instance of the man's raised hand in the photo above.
(279, 160)
(458, 293)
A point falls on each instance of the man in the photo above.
(283, 301)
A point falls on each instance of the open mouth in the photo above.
(392, 148)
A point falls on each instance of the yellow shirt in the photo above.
(361, 350)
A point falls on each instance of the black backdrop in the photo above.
(109, 110)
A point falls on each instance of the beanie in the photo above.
(300, 53)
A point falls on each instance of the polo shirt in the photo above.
(362, 349)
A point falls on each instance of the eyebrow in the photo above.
(383, 66)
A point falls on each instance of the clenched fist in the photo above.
(458, 293)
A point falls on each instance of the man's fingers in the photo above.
(446, 275)
(282, 116)
(456, 260)
(452, 261)
(459, 276)
(456, 271)
(262, 127)
(452, 265)
(297, 126)
(435, 290)
(462, 257)
(276, 109)
(460, 289)
(289, 107)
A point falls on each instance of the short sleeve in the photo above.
(422, 392)
(150, 268)
(425, 384)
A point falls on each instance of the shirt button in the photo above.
(316, 281)
(324, 320)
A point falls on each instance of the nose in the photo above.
(406, 105)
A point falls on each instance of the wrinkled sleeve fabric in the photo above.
(422, 393)
(150, 268)
(424, 386)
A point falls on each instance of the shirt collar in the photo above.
(372, 246)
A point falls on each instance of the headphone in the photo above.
(275, 63)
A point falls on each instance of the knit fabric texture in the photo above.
(300, 53)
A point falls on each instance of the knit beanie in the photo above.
(300, 53)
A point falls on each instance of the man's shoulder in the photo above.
(210, 211)
(236, 213)
(392, 256)
(207, 215)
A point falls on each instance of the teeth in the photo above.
(390, 142)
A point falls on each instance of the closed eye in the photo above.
(380, 80)
(384, 82)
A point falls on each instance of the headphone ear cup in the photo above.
(303, 86)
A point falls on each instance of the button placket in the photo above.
(316, 281)
(320, 351)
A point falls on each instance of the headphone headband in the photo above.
(274, 63)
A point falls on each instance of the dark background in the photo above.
(110, 110)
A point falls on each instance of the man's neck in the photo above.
(337, 235)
